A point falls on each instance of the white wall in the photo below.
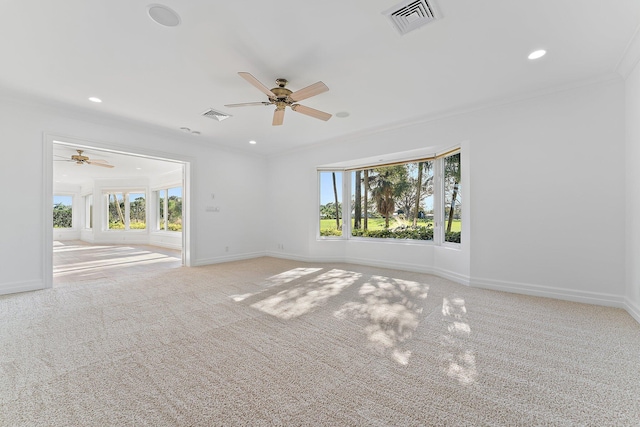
(556, 165)
(632, 157)
(235, 178)
(544, 179)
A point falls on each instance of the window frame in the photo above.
(88, 211)
(106, 193)
(158, 226)
(438, 201)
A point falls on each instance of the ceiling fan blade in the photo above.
(248, 77)
(309, 91)
(312, 112)
(278, 117)
(62, 157)
(99, 161)
(104, 165)
(248, 104)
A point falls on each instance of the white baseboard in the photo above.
(15, 287)
(228, 258)
(587, 297)
(632, 309)
(453, 276)
(177, 247)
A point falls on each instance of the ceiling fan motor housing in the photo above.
(282, 99)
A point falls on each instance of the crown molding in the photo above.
(604, 79)
(630, 56)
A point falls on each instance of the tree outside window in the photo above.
(393, 201)
(62, 211)
(137, 211)
(170, 209)
(405, 200)
(330, 203)
(452, 198)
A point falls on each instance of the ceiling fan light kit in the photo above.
(282, 98)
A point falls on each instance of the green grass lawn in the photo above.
(378, 224)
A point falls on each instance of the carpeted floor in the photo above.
(276, 342)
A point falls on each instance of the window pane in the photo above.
(137, 211)
(88, 211)
(394, 202)
(62, 211)
(174, 209)
(452, 198)
(115, 202)
(330, 203)
(162, 220)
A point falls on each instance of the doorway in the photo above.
(111, 213)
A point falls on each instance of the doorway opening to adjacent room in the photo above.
(114, 213)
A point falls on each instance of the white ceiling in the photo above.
(167, 76)
(124, 166)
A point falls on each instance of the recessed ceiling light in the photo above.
(94, 99)
(342, 114)
(537, 54)
(252, 142)
(139, 169)
(163, 15)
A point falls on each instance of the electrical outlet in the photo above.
(226, 248)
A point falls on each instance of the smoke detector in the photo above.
(410, 15)
(217, 115)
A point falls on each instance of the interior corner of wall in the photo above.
(630, 57)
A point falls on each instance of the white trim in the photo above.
(229, 258)
(607, 78)
(630, 56)
(15, 287)
(587, 297)
(187, 162)
(632, 309)
(440, 272)
(47, 212)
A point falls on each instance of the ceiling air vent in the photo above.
(217, 115)
(411, 14)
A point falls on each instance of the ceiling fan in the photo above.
(282, 98)
(79, 159)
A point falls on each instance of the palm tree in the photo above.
(452, 175)
(383, 194)
(418, 188)
(366, 199)
(335, 194)
(357, 201)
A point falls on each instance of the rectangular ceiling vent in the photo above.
(217, 115)
(411, 14)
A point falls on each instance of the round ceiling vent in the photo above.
(163, 15)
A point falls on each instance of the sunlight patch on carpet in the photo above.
(304, 298)
(392, 308)
(459, 360)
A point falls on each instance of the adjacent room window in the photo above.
(137, 211)
(410, 200)
(88, 211)
(169, 209)
(115, 211)
(62, 211)
(126, 210)
(331, 203)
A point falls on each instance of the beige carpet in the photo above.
(274, 342)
